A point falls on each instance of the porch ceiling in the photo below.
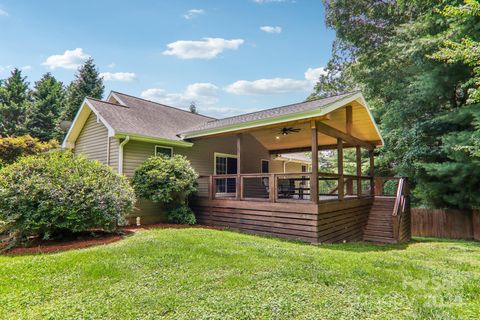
(363, 128)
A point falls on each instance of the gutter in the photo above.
(120, 154)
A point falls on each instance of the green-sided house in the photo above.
(254, 172)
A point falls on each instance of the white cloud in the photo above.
(208, 48)
(192, 13)
(26, 68)
(3, 13)
(271, 29)
(276, 85)
(203, 93)
(313, 74)
(118, 76)
(111, 65)
(5, 68)
(70, 59)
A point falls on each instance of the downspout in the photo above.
(120, 154)
(108, 150)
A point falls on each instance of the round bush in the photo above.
(181, 215)
(55, 193)
(168, 180)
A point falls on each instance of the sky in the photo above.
(230, 57)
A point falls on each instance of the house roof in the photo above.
(269, 113)
(141, 119)
(126, 115)
(255, 117)
(138, 116)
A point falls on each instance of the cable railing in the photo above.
(283, 187)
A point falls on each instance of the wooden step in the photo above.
(378, 233)
(379, 226)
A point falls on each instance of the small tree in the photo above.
(167, 180)
(57, 193)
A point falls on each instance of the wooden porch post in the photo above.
(314, 177)
(341, 188)
(239, 166)
(359, 170)
(372, 172)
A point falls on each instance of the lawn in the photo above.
(200, 273)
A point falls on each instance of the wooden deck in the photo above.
(355, 217)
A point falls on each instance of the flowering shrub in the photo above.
(54, 193)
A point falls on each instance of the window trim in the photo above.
(224, 155)
(164, 147)
(261, 165)
(219, 154)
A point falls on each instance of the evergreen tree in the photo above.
(14, 101)
(42, 118)
(87, 83)
(193, 107)
(387, 48)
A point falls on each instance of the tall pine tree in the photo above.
(87, 83)
(42, 118)
(14, 101)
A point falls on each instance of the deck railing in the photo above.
(283, 187)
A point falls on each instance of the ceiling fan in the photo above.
(287, 130)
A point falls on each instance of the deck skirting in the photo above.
(333, 221)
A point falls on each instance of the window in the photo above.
(225, 164)
(265, 166)
(165, 151)
(304, 168)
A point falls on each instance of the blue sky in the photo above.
(229, 56)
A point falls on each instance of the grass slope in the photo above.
(199, 274)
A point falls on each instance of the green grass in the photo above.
(199, 274)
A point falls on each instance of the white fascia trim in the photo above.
(68, 144)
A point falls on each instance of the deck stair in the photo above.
(379, 226)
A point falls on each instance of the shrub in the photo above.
(12, 148)
(181, 215)
(168, 180)
(56, 193)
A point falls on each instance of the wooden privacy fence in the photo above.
(445, 223)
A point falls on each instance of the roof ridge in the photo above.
(288, 105)
(107, 102)
(163, 105)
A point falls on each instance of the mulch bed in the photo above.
(88, 239)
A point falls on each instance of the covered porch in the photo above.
(307, 204)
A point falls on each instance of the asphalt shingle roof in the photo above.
(147, 118)
(268, 113)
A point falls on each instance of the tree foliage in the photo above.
(388, 50)
(42, 118)
(13, 148)
(87, 83)
(14, 101)
(56, 193)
